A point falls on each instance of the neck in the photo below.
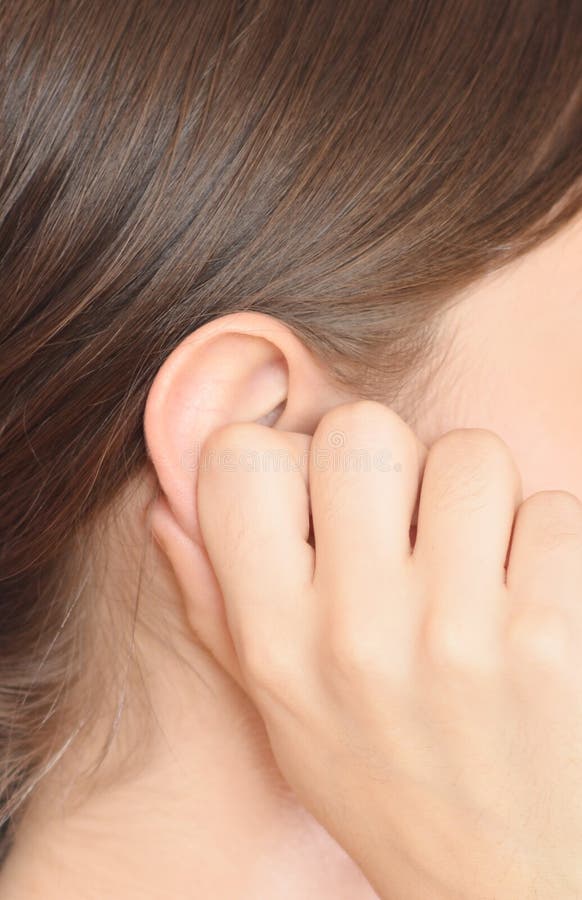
(207, 815)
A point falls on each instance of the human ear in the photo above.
(244, 367)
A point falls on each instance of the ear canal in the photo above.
(272, 417)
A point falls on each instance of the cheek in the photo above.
(543, 427)
(534, 402)
(552, 461)
(514, 365)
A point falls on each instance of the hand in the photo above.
(424, 703)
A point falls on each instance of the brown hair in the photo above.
(345, 165)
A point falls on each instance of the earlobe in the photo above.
(202, 598)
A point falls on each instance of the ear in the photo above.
(243, 367)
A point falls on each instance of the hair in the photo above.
(348, 166)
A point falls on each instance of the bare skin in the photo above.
(204, 811)
(425, 703)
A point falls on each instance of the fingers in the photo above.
(363, 470)
(360, 473)
(544, 572)
(365, 466)
(471, 488)
(254, 517)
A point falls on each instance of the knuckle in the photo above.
(228, 440)
(448, 649)
(356, 651)
(537, 636)
(355, 413)
(553, 519)
(480, 443)
(359, 417)
(468, 461)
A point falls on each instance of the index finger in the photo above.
(253, 506)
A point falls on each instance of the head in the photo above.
(254, 211)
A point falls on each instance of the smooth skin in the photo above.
(189, 801)
(422, 697)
